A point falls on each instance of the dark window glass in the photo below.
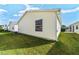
(70, 29)
(39, 22)
(38, 25)
(13, 28)
(38, 28)
(76, 26)
(73, 28)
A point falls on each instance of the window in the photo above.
(73, 28)
(12, 28)
(38, 25)
(70, 29)
(76, 26)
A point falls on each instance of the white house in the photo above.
(41, 23)
(73, 27)
(13, 27)
(5, 27)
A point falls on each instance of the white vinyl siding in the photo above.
(27, 24)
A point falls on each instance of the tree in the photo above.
(1, 28)
(63, 28)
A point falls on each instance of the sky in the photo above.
(13, 12)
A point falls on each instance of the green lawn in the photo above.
(19, 44)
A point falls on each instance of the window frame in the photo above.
(39, 25)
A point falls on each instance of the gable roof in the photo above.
(54, 10)
(74, 23)
(12, 23)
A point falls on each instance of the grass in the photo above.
(68, 44)
(19, 44)
(14, 43)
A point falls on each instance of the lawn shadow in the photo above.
(58, 48)
(17, 41)
(68, 44)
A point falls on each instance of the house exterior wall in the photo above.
(16, 28)
(76, 30)
(27, 24)
(12, 27)
(73, 28)
(58, 27)
(67, 30)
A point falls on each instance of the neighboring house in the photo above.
(13, 27)
(16, 28)
(5, 27)
(41, 23)
(73, 27)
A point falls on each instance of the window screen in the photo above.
(38, 25)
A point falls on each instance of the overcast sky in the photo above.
(12, 12)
